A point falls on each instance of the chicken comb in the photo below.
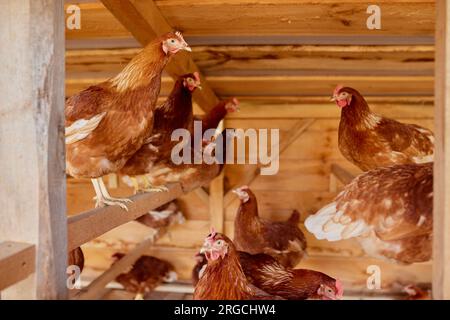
(197, 76)
(340, 288)
(235, 101)
(212, 234)
(179, 35)
(338, 88)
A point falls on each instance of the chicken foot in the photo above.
(103, 198)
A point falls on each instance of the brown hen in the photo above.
(389, 210)
(174, 113)
(282, 240)
(223, 277)
(145, 275)
(369, 140)
(267, 274)
(107, 123)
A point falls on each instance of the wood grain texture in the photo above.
(17, 261)
(216, 203)
(254, 18)
(274, 60)
(32, 144)
(441, 215)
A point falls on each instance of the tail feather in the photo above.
(295, 217)
(325, 224)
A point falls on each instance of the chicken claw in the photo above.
(103, 198)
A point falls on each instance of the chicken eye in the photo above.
(219, 242)
(172, 41)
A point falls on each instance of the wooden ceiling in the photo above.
(279, 48)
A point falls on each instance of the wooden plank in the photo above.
(17, 261)
(320, 85)
(96, 22)
(303, 86)
(305, 17)
(288, 18)
(314, 60)
(145, 22)
(320, 107)
(275, 60)
(216, 203)
(441, 236)
(299, 128)
(344, 176)
(91, 224)
(33, 179)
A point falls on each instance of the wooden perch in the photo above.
(89, 225)
(95, 289)
(294, 133)
(342, 174)
(17, 261)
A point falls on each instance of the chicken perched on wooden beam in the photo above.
(267, 274)
(223, 277)
(175, 113)
(389, 210)
(106, 124)
(282, 240)
(145, 275)
(369, 140)
(212, 119)
(165, 172)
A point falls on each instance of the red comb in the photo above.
(212, 235)
(339, 287)
(197, 76)
(235, 101)
(338, 88)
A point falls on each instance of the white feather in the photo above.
(325, 224)
(80, 129)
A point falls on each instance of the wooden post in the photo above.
(32, 169)
(441, 234)
(216, 209)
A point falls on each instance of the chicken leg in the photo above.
(103, 198)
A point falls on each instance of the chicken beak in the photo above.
(199, 87)
(187, 48)
(333, 98)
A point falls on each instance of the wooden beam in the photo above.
(441, 236)
(294, 133)
(96, 287)
(32, 201)
(275, 60)
(91, 224)
(17, 262)
(344, 176)
(202, 194)
(300, 86)
(293, 22)
(144, 20)
(216, 208)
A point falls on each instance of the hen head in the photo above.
(191, 81)
(232, 105)
(331, 291)
(342, 96)
(243, 193)
(172, 42)
(216, 247)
